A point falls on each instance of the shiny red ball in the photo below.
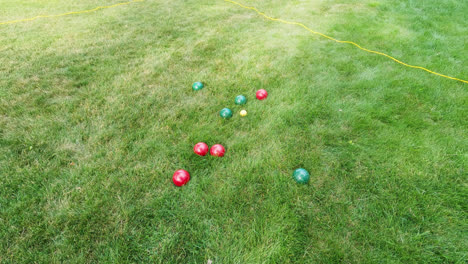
(180, 177)
(261, 94)
(201, 149)
(217, 150)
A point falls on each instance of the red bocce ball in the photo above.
(201, 149)
(217, 150)
(261, 94)
(180, 177)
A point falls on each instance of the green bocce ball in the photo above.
(240, 100)
(225, 113)
(197, 86)
(301, 176)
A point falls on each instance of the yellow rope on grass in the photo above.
(343, 41)
(69, 13)
(260, 13)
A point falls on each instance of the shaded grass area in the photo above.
(96, 113)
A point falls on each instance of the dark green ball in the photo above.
(301, 176)
(225, 113)
(197, 86)
(240, 100)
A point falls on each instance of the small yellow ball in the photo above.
(243, 113)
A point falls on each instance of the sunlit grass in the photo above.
(97, 112)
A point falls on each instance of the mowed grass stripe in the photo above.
(97, 112)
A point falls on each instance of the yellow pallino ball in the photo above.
(243, 113)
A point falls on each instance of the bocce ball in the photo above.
(197, 86)
(200, 149)
(225, 113)
(180, 177)
(217, 150)
(261, 94)
(240, 100)
(243, 113)
(301, 176)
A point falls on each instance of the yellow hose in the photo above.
(343, 41)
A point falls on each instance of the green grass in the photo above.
(97, 112)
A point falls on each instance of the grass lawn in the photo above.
(97, 112)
